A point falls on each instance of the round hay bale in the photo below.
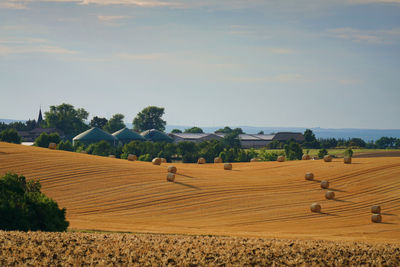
(327, 158)
(347, 160)
(170, 177)
(156, 161)
(281, 159)
(315, 207)
(376, 218)
(163, 160)
(201, 161)
(83, 152)
(227, 166)
(52, 145)
(111, 156)
(132, 157)
(376, 209)
(330, 195)
(306, 157)
(324, 184)
(172, 169)
(217, 160)
(309, 176)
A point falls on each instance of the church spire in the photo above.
(40, 118)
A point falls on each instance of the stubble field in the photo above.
(264, 201)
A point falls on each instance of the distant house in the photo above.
(30, 136)
(156, 136)
(193, 137)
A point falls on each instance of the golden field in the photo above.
(263, 199)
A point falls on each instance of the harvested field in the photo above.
(82, 249)
(259, 199)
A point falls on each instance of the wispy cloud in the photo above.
(30, 46)
(280, 78)
(13, 4)
(387, 36)
(149, 56)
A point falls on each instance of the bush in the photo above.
(293, 151)
(146, 157)
(45, 139)
(10, 136)
(67, 146)
(348, 153)
(322, 152)
(23, 207)
(102, 148)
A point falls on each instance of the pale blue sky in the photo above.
(332, 64)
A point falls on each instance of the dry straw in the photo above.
(172, 169)
(201, 161)
(217, 160)
(111, 156)
(376, 218)
(376, 209)
(227, 166)
(132, 157)
(315, 207)
(327, 158)
(347, 160)
(330, 195)
(52, 145)
(281, 159)
(156, 161)
(306, 157)
(163, 160)
(309, 176)
(170, 177)
(324, 184)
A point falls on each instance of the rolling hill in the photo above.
(265, 199)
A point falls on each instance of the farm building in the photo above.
(193, 137)
(156, 136)
(126, 136)
(286, 136)
(95, 135)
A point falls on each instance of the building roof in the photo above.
(94, 134)
(126, 134)
(266, 137)
(156, 136)
(192, 135)
(285, 136)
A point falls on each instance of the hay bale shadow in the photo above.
(188, 185)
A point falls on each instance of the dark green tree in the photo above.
(10, 135)
(67, 146)
(24, 207)
(149, 118)
(176, 131)
(231, 140)
(293, 151)
(225, 130)
(188, 151)
(67, 119)
(356, 142)
(386, 142)
(45, 139)
(309, 140)
(261, 132)
(98, 122)
(102, 148)
(194, 130)
(115, 123)
(322, 152)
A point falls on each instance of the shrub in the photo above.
(10, 136)
(102, 148)
(348, 153)
(322, 152)
(293, 151)
(145, 157)
(45, 139)
(24, 207)
(67, 146)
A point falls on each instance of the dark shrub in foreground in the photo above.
(10, 136)
(24, 207)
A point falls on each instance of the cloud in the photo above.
(30, 46)
(149, 56)
(388, 36)
(280, 78)
(13, 5)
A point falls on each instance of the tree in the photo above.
(322, 152)
(24, 207)
(386, 142)
(67, 119)
(98, 122)
(188, 151)
(115, 123)
(67, 146)
(10, 136)
(293, 151)
(45, 139)
(309, 140)
(231, 140)
(225, 130)
(102, 148)
(261, 132)
(176, 131)
(149, 118)
(356, 142)
(194, 130)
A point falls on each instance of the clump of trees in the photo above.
(24, 207)
(10, 135)
(45, 139)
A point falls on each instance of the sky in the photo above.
(295, 63)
